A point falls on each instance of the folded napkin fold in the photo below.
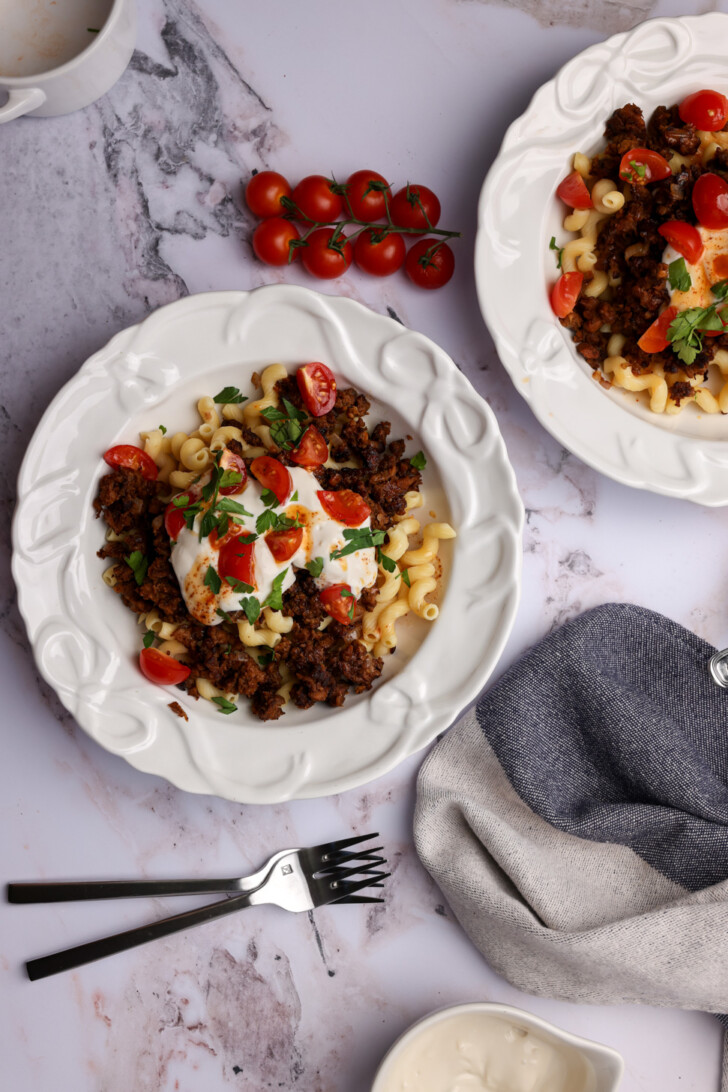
(577, 818)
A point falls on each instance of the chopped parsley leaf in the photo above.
(239, 586)
(678, 275)
(315, 566)
(162, 429)
(251, 606)
(223, 614)
(225, 705)
(275, 599)
(138, 564)
(559, 251)
(212, 580)
(406, 577)
(388, 563)
(720, 289)
(418, 461)
(230, 396)
(227, 504)
(148, 638)
(269, 499)
(358, 538)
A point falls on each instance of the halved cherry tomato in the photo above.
(368, 202)
(415, 206)
(230, 461)
(710, 201)
(345, 506)
(214, 540)
(641, 165)
(132, 458)
(162, 669)
(705, 110)
(318, 388)
(573, 192)
(272, 475)
(654, 339)
(315, 197)
(684, 238)
(237, 559)
(339, 602)
(312, 450)
(283, 544)
(565, 293)
(174, 518)
(263, 194)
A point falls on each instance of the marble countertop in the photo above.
(106, 215)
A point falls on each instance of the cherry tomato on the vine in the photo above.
(415, 206)
(132, 458)
(684, 238)
(367, 199)
(710, 201)
(263, 194)
(655, 339)
(705, 110)
(272, 239)
(565, 293)
(317, 385)
(573, 192)
(430, 264)
(339, 602)
(312, 449)
(316, 199)
(272, 475)
(162, 669)
(641, 165)
(323, 260)
(378, 253)
(344, 505)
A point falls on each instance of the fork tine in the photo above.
(329, 850)
(349, 887)
(335, 869)
(356, 898)
(364, 855)
(355, 870)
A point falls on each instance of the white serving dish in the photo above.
(604, 1065)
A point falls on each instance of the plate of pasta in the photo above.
(601, 265)
(267, 544)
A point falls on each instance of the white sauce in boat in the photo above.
(481, 1052)
(321, 536)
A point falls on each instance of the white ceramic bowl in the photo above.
(605, 1065)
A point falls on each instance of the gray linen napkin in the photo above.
(577, 818)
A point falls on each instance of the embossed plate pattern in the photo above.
(86, 642)
(658, 62)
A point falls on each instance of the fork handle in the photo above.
(120, 942)
(115, 889)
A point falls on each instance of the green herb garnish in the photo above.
(387, 563)
(148, 638)
(225, 705)
(239, 586)
(315, 566)
(678, 275)
(251, 606)
(230, 396)
(418, 461)
(212, 580)
(559, 251)
(138, 564)
(269, 499)
(406, 577)
(275, 599)
(286, 429)
(358, 538)
(162, 429)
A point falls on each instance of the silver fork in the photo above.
(294, 879)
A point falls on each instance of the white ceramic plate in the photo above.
(657, 63)
(85, 641)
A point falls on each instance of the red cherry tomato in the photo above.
(573, 192)
(415, 206)
(654, 339)
(684, 238)
(162, 669)
(283, 544)
(318, 388)
(174, 519)
(705, 110)
(272, 475)
(272, 239)
(339, 602)
(366, 202)
(325, 261)
(565, 293)
(345, 506)
(232, 530)
(710, 201)
(312, 450)
(641, 165)
(429, 264)
(316, 199)
(377, 254)
(132, 458)
(263, 194)
(237, 559)
(230, 461)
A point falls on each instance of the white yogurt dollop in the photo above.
(322, 536)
